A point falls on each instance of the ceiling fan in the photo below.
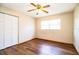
(39, 7)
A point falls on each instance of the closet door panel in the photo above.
(14, 23)
(1, 31)
(8, 31)
(11, 30)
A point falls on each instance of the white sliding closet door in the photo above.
(11, 30)
(1, 30)
(8, 30)
(14, 23)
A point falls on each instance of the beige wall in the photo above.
(64, 35)
(76, 27)
(26, 24)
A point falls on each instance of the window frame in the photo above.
(54, 24)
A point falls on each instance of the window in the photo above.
(50, 24)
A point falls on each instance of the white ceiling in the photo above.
(54, 8)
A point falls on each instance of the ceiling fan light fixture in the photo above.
(39, 8)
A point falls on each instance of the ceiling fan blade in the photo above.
(31, 10)
(45, 11)
(33, 4)
(46, 6)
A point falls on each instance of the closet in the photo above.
(8, 30)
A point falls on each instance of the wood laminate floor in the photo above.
(40, 47)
